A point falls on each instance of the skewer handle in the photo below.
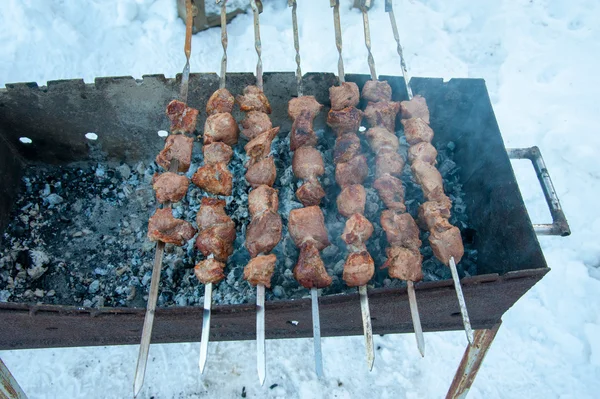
(461, 301)
(205, 326)
(260, 333)
(257, 9)
(416, 319)
(338, 38)
(368, 329)
(314, 295)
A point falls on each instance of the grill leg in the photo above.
(470, 363)
(9, 388)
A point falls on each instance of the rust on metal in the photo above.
(9, 388)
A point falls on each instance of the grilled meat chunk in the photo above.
(263, 233)
(310, 193)
(308, 224)
(382, 140)
(423, 152)
(304, 103)
(435, 213)
(162, 226)
(260, 146)
(447, 243)
(344, 95)
(177, 147)
(357, 231)
(377, 90)
(255, 123)
(214, 178)
(417, 131)
(404, 263)
(262, 172)
(388, 163)
(352, 200)
(307, 163)
(212, 212)
(260, 270)
(217, 152)
(220, 101)
(209, 271)
(391, 192)
(310, 270)
(358, 269)
(354, 171)
(221, 127)
(217, 230)
(263, 198)
(430, 180)
(400, 229)
(169, 187)
(254, 100)
(415, 108)
(346, 120)
(302, 133)
(346, 147)
(182, 117)
(382, 113)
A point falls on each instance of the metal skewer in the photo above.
(362, 290)
(461, 299)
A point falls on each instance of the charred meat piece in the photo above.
(310, 270)
(354, 171)
(220, 101)
(209, 271)
(345, 95)
(304, 103)
(382, 113)
(182, 117)
(447, 243)
(217, 152)
(255, 123)
(212, 212)
(307, 163)
(388, 163)
(310, 193)
(177, 147)
(352, 200)
(377, 90)
(400, 229)
(417, 131)
(214, 178)
(430, 180)
(391, 192)
(260, 146)
(302, 133)
(435, 213)
(344, 121)
(346, 147)
(308, 224)
(404, 263)
(217, 230)
(260, 270)
(423, 152)
(262, 198)
(254, 100)
(262, 172)
(221, 127)
(382, 140)
(415, 108)
(357, 231)
(169, 187)
(358, 269)
(263, 233)
(162, 226)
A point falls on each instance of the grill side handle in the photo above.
(559, 226)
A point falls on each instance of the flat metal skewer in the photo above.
(461, 302)
(260, 333)
(205, 326)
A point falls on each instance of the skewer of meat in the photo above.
(307, 225)
(445, 239)
(404, 258)
(170, 187)
(350, 172)
(216, 229)
(264, 231)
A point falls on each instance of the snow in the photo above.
(539, 60)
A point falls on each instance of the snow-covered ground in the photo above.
(539, 59)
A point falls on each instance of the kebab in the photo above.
(445, 239)
(216, 229)
(350, 172)
(307, 225)
(404, 259)
(170, 187)
(264, 231)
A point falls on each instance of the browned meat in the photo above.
(391, 192)
(255, 123)
(169, 187)
(260, 270)
(430, 180)
(302, 133)
(388, 163)
(162, 226)
(307, 163)
(357, 231)
(263, 233)
(382, 113)
(310, 193)
(382, 140)
(435, 213)
(212, 212)
(260, 146)
(262, 172)
(415, 108)
(262, 198)
(217, 152)
(221, 127)
(177, 147)
(308, 224)
(353, 172)
(447, 243)
(209, 271)
(423, 152)
(310, 270)
(344, 121)
(358, 269)
(214, 178)
(377, 90)
(346, 148)
(217, 230)
(253, 100)
(352, 200)
(304, 103)
(182, 117)
(220, 101)
(404, 263)
(345, 95)
(416, 131)
(400, 229)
